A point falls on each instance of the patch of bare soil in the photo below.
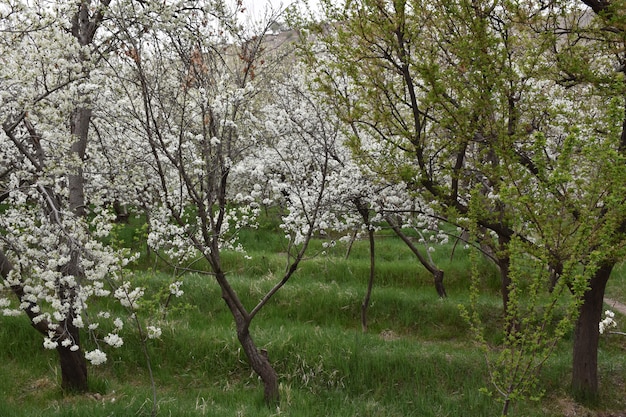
(616, 305)
(388, 335)
(570, 408)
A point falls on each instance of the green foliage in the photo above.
(512, 127)
(535, 321)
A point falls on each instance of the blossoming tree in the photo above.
(198, 88)
(51, 255)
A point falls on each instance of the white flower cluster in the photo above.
(170, 238)
(607, 322)
(60, 262)
(175, 289)
(308, 168)
(96, 357)
(114, 340)
(153, 332)
(129, 297)
(42, 253)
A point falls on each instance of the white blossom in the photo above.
(96, 357)
(118, 323)
(114, 340)
(175, 289)
(49, 344)
(153, 332)
(607, 322)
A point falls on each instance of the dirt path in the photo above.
(616, 305)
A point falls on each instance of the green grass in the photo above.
(616, 287)
(417, 358)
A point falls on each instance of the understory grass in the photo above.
(417, 358)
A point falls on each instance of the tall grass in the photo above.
(417, 358)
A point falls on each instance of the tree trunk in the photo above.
(503, 261)
(260, 363)
(258, 359)
(505, 282)
(427, 263)
(73, 365)
(79, 129)
(587, 336)
(352, 240)
(370, 283)
(5, 265)
(438, 277)
(121, 212)
(512, 323)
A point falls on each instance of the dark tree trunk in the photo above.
(121, 212)
(260, 363)
(512, 322)
(438, 277)
(5, 265)
(73, 366)
(587, 336)
(258, 359)
(504, 261)
(505, 282)
(351, 243)
(370, 282)
(79, 129)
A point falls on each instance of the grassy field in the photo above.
(417, 358)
